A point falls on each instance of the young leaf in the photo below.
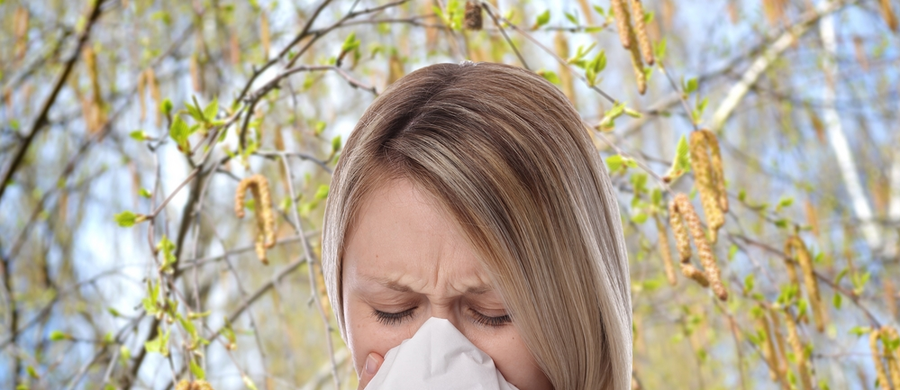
(128, 219)
(180, 133)
(160, 344)
(197, 371)
(57, 335)
(542, 19)
(682, 162)
(209, 113)
(166, 247)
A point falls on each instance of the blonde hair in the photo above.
(507, 156)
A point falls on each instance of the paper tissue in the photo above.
(438, 357)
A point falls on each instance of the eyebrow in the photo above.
(397, 286)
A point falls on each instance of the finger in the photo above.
(373, 363)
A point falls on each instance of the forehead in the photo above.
(402, 237)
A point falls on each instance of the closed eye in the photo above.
(387, 318)
(489, 321)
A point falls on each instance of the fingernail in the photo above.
(370, 365)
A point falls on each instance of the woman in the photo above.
(473, 193)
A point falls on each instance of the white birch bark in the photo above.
(838, 140)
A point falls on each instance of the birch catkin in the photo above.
(707, 258)
(893, 357)
(640, 30)
(768, 347)
(265, 220)
(692, 272)
(809, 280)
(154, 93)
(703, 172)
(618, 7)
(782, 350)
(799, 351)
(141, 84)
(195, 385)
(682, 239)
(880, 371)
(717, 173)
(664, 251)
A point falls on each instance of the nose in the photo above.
(447, 312)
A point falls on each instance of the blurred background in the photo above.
(126, 127)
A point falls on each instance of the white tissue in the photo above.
(438, 357)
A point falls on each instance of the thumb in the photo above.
(373, 363)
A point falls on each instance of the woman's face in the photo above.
(405, 261)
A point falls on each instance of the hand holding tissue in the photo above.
(438, 357)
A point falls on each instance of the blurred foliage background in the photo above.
(126, 127)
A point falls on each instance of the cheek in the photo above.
(514, 360)
(366, 335)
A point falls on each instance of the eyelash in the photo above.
(481, 319)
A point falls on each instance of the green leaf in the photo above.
(209, 113)
(748, 283)
(572, 18)
(608, 117)
(542, 19)
(659, 49)
(732, 250)
(350, 43)
(180, 133)
(836, 301)
(166, 107)
(160, 344)
(336, 144)
(550, 76)
(690, 86)
(58, 335)
(166, 247)
(614, 162)
(128, 219)
(322, 192)
(138, 135)
(860, 330)
(639, 217)
(682, 162)
(197, 371)
(784, 202)
(143, 192)
(149, 301)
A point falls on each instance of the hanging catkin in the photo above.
(798, 349)
(717, 173)
(769, 352)
(640, 30)
(638, 66)
(265, 220)
(684, 208)
(664, 251)
(880, 371)
(141, 84)
(154, 93)
(195, 385)
(780, 344)
(682, 238)
(893, 358)
(705, 183)
(618, 8)
(692, 272)
(804, 258)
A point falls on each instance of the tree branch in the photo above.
(41, 118)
